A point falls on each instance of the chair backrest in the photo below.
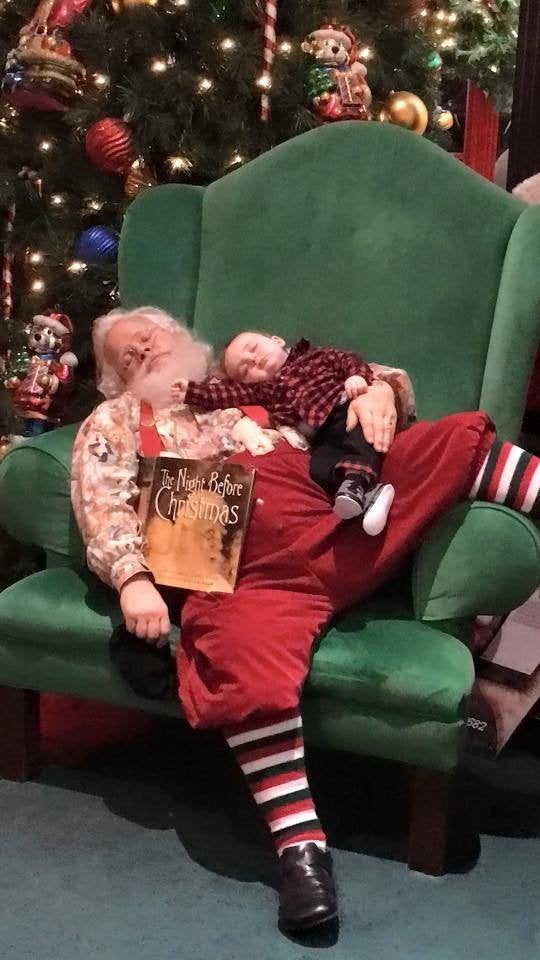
(363, 236)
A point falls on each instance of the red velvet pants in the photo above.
(247, 654)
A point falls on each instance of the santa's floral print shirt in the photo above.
(105, 468)
(104, 473)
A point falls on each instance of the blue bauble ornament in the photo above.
(13, 79)
(96, 244)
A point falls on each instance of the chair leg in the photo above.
(429, 798)
(19, 733)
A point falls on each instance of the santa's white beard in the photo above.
(189, 361)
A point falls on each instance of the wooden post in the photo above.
(481, 133)
(524, 157)
(429, 799)
(19, 733)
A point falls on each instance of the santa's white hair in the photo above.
(197, 355)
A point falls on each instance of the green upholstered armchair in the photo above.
(359, 235)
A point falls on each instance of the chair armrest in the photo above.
(480, 559)
(35, 502)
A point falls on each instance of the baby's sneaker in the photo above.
(377, 503)
(350, 498)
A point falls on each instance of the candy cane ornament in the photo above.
(270, 17)
(7, 266)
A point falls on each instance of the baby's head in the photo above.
(253, 357)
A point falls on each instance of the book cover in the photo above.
(194, 515)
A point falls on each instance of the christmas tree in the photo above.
(110, 96)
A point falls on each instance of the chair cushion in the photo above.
(378, 656)
(35, 504)
(54, 631)
(375, 662)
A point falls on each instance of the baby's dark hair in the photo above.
(217, 368)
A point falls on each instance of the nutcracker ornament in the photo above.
(39, 393)
(336, 84)
(41, 72)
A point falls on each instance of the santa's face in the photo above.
(149, 358)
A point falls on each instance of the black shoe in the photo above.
(350, 499)
(307, 895)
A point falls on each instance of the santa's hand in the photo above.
(144, 610)
(179, 390)
(250, 435)
(355, 386)
(375, 412)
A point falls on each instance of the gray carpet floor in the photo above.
(150, 849)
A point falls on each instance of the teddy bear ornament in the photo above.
(39, 393)
(336, 82)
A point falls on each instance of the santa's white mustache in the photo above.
(187, 361)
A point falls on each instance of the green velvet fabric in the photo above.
(366, 658)
(372, 665)
(516, 327)
(480, 558)
(55, 627)
(371, 239)
(35, 505)
(381, 733)
(160, 248)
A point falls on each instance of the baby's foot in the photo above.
(377, 507)
(350, 498)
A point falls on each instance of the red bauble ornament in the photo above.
(108, 145)
(64, 11)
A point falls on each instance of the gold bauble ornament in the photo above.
(406, 110)
(139, 177)
(120, 5)
(12, 383)
(443, 118)
(5, 445)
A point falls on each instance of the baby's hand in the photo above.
(179, 390)
(249, 434)
(355, 386)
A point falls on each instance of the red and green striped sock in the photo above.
(271, 757)
(510, 476)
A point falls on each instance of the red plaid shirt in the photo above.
(307, 388)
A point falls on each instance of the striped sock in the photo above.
(511, 476)
(271, 757)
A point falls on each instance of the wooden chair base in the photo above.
(429, 796)
(19, 733)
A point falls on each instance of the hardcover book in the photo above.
(194, 515)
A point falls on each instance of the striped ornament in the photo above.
(7, 265)
(108, 145)
(270, 17)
